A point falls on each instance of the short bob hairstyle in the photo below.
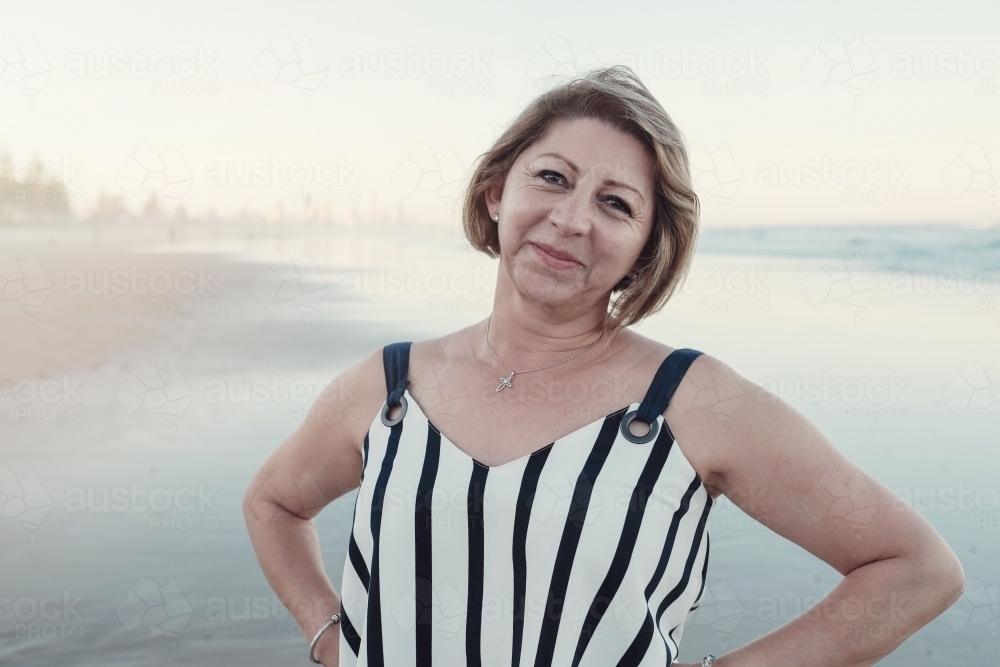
(616, 96)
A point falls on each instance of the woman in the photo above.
(557, 519)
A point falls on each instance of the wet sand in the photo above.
(128, 437)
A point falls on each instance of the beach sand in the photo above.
(128, 439)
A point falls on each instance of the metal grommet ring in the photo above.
(637, 439)
(385, 413)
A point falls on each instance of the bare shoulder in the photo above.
(633, 350)
(734, 431)
(361, 391)
(436, 363)
(342, 414)
(340, 417)
(705, 415)
(323, 458)
(769, 460)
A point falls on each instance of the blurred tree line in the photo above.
(31, 191)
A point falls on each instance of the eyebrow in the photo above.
(610, 182)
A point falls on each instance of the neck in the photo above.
(527, 334)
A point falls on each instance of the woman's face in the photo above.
(584, 190)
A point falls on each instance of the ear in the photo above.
(493, 195)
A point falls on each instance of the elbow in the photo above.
(953, 580)
(251, 503)
(261, 506)
(945, 576)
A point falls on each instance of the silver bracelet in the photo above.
(708, 660)
(312, 647)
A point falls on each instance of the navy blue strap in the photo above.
(665, 382)
(396, 359)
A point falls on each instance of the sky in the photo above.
(794, 113)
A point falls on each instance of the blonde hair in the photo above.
(616, 96)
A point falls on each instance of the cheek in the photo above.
(514, 228)
(612, 253)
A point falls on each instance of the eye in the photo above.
(619, 203)
(553, 177)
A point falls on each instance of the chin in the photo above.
(547, 289)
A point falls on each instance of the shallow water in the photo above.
(906, 337)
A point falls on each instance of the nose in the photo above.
(571, 215)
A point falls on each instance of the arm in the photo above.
(777, 467)
(319, 462)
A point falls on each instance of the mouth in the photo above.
(555, 258)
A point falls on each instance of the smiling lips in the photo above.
(555, 257)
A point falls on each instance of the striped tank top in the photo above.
(590, 551)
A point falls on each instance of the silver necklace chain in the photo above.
(506, 381)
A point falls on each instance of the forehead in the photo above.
(593, 144)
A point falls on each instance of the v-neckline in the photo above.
(466, 455)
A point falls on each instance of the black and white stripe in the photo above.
(590, 551)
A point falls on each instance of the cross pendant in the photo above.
(505, 382)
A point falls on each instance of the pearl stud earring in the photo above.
(496, 217)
